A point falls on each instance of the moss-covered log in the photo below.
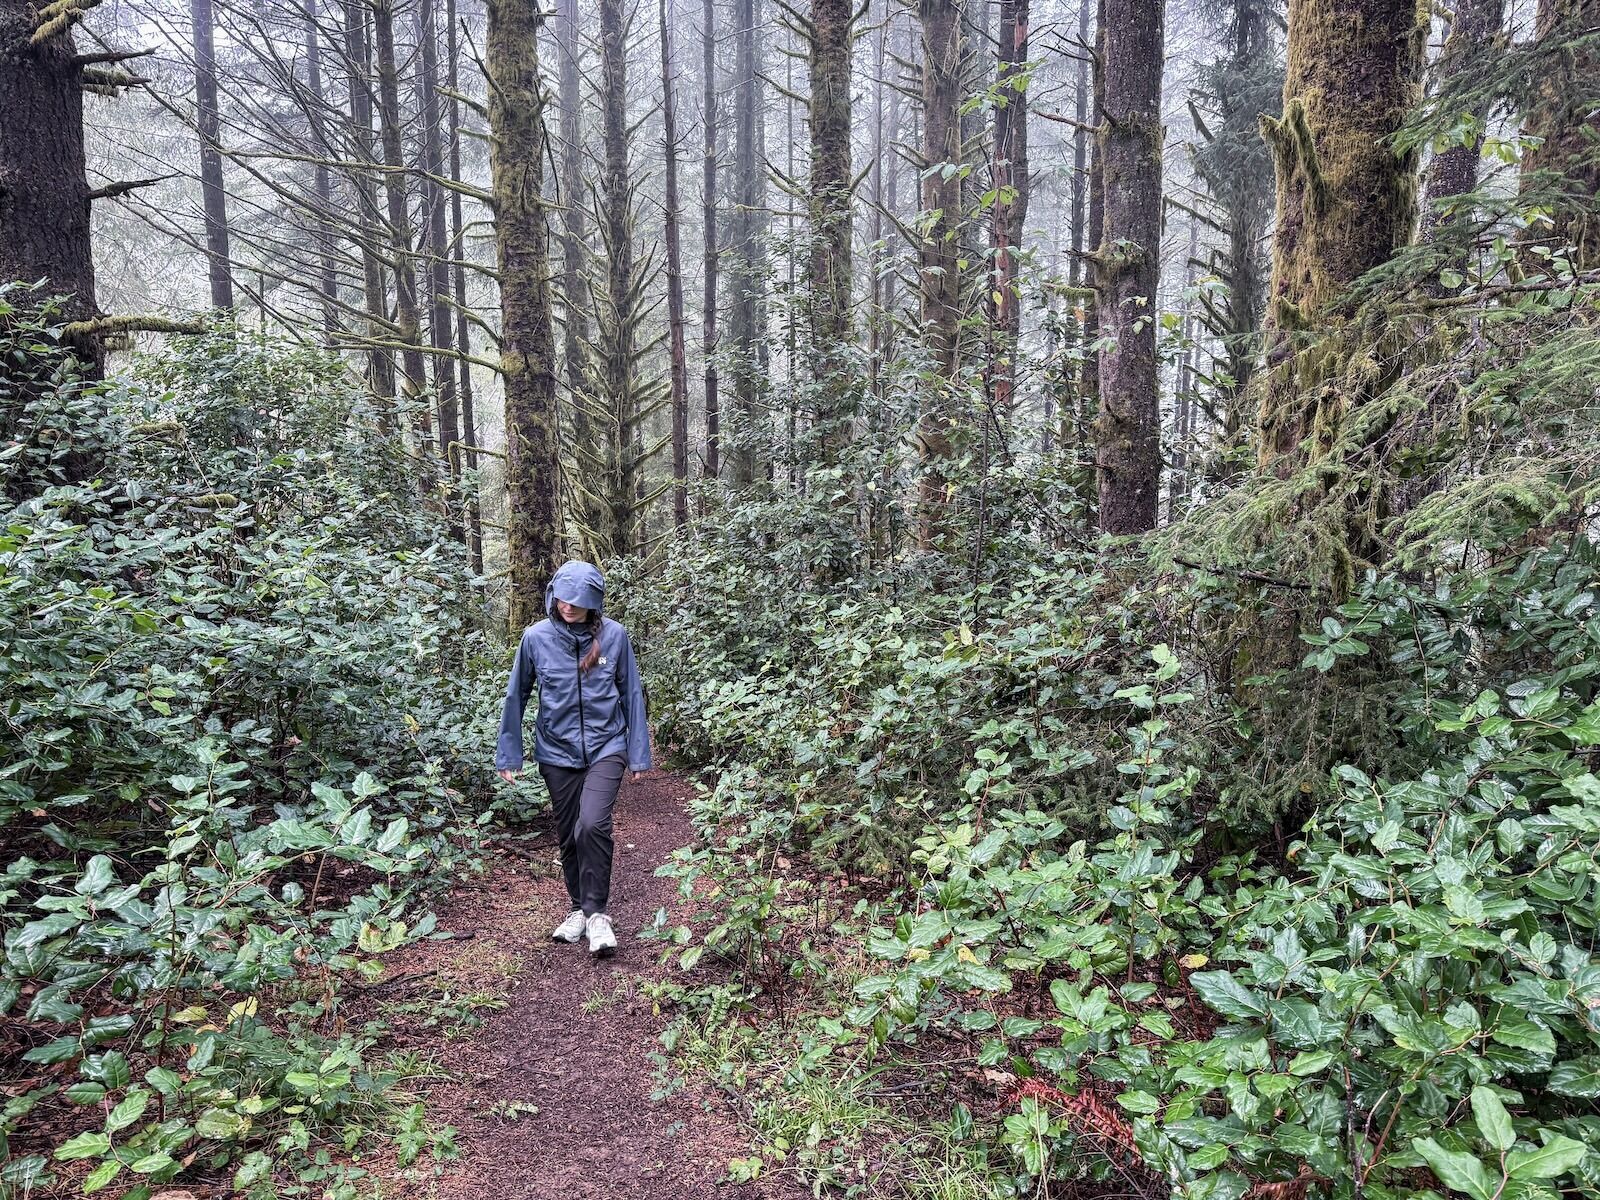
(1346, 195)
(527, 344)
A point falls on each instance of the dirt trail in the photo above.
(551, 1096)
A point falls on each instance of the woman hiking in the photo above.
(591, 725)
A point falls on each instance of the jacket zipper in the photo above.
(583, 731)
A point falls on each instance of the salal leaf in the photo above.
(1462, 1172)
(1557, 1156)
(1221, 991)
(97, 876)
(129, 1110)
(89, 1144)
(1578, 1077)
(1494, 1122)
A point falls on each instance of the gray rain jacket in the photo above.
(583, 716)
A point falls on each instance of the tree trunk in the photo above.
(1010, 211)
(437, 274)
(708, 187)
(375, 286)
(746, 284)
(1089, 391)
(891, 185)
(209, 123)
(1183, 405)
(937, 250)
(831, 31)
(44, 194)
(618, 312)
(407, 318)
(1454, 170)
(875, 256)
(574, 298)
(1565, 114)
(469, 428)
(321, 178)
(679, 353)
(1084, 236)
(1128, 269)
(527, 345)
(1346, 200)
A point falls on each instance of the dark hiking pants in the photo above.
(582, 800)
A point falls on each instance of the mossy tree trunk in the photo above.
(938, 250)
(527, 342)
(829, 32)
(1236, 168)
(1565, 115)
(1128, 268)
(1346, 197)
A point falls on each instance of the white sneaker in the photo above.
(602, 941)
(571, 929)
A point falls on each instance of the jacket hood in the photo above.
(578, 583)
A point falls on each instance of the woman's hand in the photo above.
(636, 776)
(508, 776)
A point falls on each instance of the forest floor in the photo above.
(547, 1056)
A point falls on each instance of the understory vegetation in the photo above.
(232, 687)
(1223, 864)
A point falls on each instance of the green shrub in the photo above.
(228, 762)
